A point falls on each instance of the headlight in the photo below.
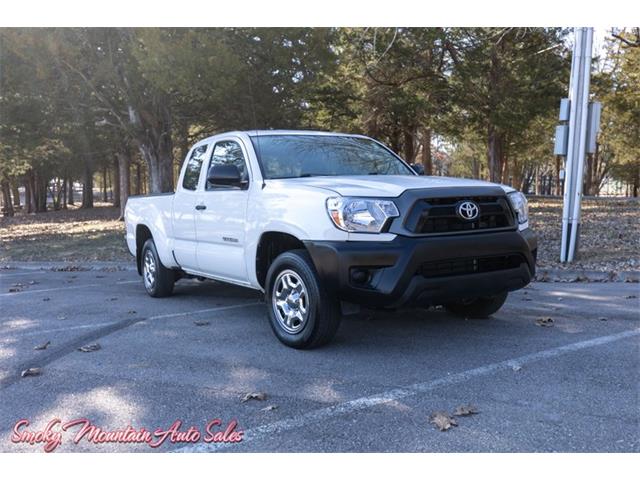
(520, 206)
(366, 215)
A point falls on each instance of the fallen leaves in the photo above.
(201, 323)
(92, 347)
(42, 346)
(603, 319)
(464, 410)
(443, 421)
(31, 372)
(544, 322)
(261, 396)
(269, 408)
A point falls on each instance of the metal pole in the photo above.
(582, 145)
(579, 98)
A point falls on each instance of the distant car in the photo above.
(319, 220)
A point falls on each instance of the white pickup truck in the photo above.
(321, 221)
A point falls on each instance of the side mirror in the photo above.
(225, 175)
(417, 167)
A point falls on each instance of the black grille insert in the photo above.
(464, 266)
(438, 215)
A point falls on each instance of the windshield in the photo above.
(292, 156)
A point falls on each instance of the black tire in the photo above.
(163, 278)
(322, 312)
(478, 307)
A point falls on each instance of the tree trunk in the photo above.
(124, 180)
(70, 191)
(104, 184)
(7, 203)
(116, 182)
(427, 159)
(138, 179)
(16, 195)
(409, 149)
(63, 199)
(494, 154)
(87, 187)
(28, 197)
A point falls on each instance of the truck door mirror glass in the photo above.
(225, 175)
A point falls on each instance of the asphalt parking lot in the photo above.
(573, 386)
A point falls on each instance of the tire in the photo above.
(301, 313)
(478, 307)
(158, 280)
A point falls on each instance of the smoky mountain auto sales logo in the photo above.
(83, 430)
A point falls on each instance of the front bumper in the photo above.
(427, 270)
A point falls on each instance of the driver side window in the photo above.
(228, 152)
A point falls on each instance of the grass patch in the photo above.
(610, 239)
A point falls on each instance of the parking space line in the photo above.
(62, 329)
(154, 317)
(5, 275)
(43, 290)
(206, 310)
(364, 403)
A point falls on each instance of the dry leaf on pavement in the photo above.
(464, 410)
(544, 322)
(43, 346)
(254, 396)
(31, 372)
(92, 347)
(443, 421)
(201, 323)
(268, 408)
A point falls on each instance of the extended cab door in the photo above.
(184, 209)
(221, 217)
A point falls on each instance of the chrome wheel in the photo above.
(290, 301)
(149, 270)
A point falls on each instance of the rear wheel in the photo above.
(158, 279)
(301, 313)
(480, 307)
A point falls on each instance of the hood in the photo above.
(384, 185)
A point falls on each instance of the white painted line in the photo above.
(206, 310)
(155, 317)
(364, 403)
(49, 289)
(62, 329)
(4, 275)
(126, 282)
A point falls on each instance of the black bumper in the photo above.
(425, 271)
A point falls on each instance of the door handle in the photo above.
(201, 207)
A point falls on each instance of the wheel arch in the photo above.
(143, 233)
(270, 245)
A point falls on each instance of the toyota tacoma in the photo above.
(320, 222)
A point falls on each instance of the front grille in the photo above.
(438, 215)
(464, 266)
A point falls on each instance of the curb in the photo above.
(542, 275)
(586, 276)
(71, 266)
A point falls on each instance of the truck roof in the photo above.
(264, 133)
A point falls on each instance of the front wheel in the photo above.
(478, 307)
(301, 313)
(158, 279)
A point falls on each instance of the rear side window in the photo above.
(194, 165)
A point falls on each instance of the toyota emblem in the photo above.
(467, 210)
